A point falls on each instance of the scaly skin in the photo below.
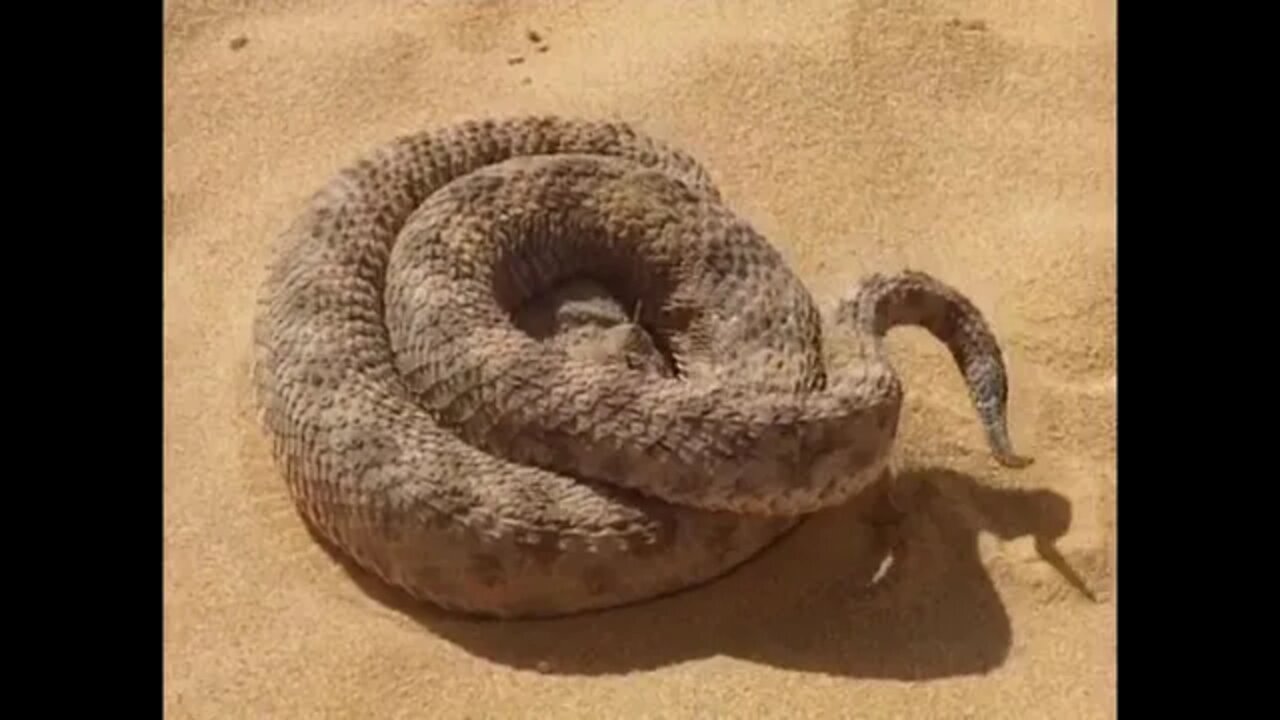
(428, 434)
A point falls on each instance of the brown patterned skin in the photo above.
(670, 416)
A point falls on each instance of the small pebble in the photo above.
(543, 666)
(534, 36)
(239, 42)
(974, 25)
(515, 60)
(542, 48)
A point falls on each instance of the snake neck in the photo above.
(882, 302)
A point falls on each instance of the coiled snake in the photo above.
(430, 426)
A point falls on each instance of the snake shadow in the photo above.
(819, 600)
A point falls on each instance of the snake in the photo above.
(532, 366)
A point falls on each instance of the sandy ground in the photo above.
(972, 140)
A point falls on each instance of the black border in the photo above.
(1177, 398)
(89, 532)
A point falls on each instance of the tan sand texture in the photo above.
(974, 141)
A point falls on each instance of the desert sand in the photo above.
(975, 141)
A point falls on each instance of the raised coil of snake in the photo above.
(534, 366)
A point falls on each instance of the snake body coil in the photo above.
(426, 433)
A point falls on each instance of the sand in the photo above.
(975, 141)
